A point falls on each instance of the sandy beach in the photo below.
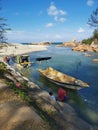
(21, 49)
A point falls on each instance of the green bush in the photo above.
(89, 40)
(20, 91)
(3, 69)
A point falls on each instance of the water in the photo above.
(85, 101)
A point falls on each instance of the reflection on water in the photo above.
(25, 71)
(84, 101)
(82, 108)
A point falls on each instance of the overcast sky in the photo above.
(47, 20)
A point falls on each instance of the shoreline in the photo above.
(20, 49)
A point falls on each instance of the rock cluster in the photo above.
(83, 48)
(45, 43)
(78, 46)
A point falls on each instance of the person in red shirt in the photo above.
(7, 59)
(61, 94)
(18, 85)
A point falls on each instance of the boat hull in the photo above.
(57, 78)
(43, 58)
(65, 85)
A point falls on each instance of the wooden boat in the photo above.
(43, 58)
(62, 79)
(95, 60)
(22, 61)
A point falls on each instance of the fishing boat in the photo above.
(62, 79)
(39, 59)
(22, 61)
(43, 58)
(95, 60)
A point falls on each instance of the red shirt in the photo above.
(18, 85)
(61, 94)
(6, 59)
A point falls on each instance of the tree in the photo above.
(93, 20)
(95, 34)
(3, 29)
(93, 38)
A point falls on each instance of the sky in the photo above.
(47, 20)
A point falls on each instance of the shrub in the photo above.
(3, 69)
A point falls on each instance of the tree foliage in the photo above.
(93, 38)
(87, 41)
(3, 29)
(95, 34)
(93, 20)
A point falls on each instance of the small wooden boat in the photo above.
(62, 79)
(22, 61)
(95, 60)
(43, 58)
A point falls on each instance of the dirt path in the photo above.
(15, 114)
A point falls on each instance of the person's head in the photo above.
(60, 88)
(50, 93)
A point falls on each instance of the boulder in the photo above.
(45, 43)
(82, 48)
(71, 44)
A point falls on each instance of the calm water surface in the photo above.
(85, 101)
